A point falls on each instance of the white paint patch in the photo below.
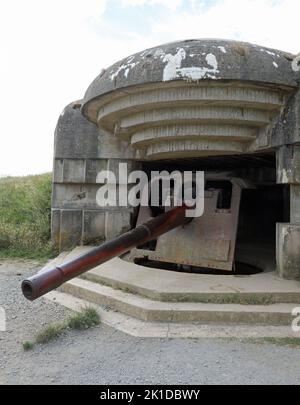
(173, 69)
(173, 64)
(296, 63)
(212, 61)
(222, 49)
(275, 64)
(270, 53)
(125, 68)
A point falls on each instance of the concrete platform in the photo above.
(163, 285)
(163, 297)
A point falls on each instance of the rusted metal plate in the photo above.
(208, 241)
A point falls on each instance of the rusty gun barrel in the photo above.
(45, 281)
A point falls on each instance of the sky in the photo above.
(51, 50)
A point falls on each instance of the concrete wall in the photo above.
(81, 151)
(288, 234)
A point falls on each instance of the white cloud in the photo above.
(51, 50)
(266, 22)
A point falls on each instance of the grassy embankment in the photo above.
(25, 209)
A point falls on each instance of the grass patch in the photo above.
(234, 298)
(85, 319)
(245, 300)
(286, 341)
(25, 212)
(50, 333)
(28, 346)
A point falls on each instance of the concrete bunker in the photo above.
(231, 109)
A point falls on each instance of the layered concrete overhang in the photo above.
(194, 98)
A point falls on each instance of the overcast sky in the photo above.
(52, 49)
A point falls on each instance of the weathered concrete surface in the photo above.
(195, 98)
(295, 203)
(288, 165)
(286, 128)
(81, 152)
(149, 310)
(196, 60)
(179, 119)
(288, 235)
(288, 250)
(172, 330)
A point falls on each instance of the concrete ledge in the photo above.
(138, 328)
(156, 311)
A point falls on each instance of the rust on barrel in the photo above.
(43, 282)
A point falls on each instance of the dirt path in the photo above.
(104, 356)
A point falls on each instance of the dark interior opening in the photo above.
(263, 205)
(260, 210)
(225, 194)
(239, 270)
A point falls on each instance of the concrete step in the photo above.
(156, 311)
(138, 328)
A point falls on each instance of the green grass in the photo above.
(50, 333)
(28, 346)
(233, 298)
(25, 212)
(286, 341)
(85, 319)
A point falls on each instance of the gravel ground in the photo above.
(104, 356)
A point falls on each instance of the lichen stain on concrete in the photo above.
(284, 176)
(159, 52)
(173, 69)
